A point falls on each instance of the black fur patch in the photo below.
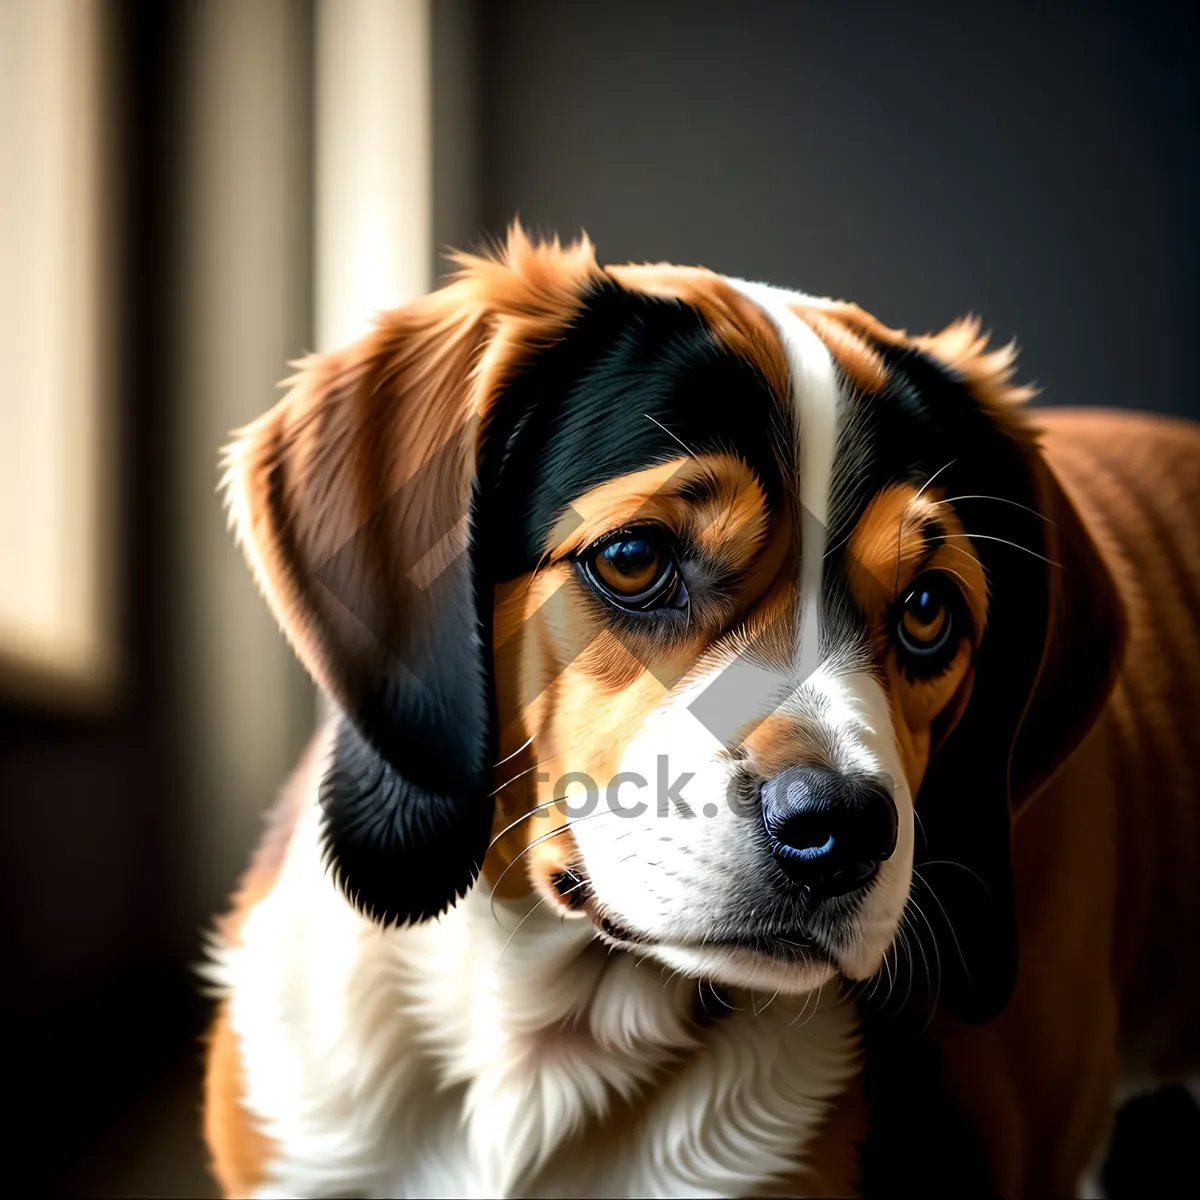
(639, 380)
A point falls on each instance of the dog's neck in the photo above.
(500, 1051)
(543, 1028)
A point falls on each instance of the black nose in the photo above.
(829, 830)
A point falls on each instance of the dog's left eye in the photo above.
(925, 621)
(635, 569)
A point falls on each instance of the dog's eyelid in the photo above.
(648, 527)
(935, 532)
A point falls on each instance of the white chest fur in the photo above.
(463, 1058)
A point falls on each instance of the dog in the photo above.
(704, 659)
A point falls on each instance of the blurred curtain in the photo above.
(58, 641)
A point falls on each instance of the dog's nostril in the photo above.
(828, 831)
(808, 836)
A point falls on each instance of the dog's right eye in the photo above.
(635, 570)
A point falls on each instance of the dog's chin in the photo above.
(793, 966)
(739, 967)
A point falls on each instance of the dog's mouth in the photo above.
(790, 947)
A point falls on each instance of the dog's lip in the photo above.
(788, 946)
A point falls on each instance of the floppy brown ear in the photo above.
(1086, 632)
(370, 517)
(353, 501)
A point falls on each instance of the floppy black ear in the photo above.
(1043, 671)
(353, 501)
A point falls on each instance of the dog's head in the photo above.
(674, 598)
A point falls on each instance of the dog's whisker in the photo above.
(525, 817)
(957, 575)
(904, 517)
(917, 818)
(1002, 500)
(906, 946)
(815, 994)
(510, 782)
(949, 924)
(731, 1007)
(517, 928)
(758, 1012)
(945, 862)
(524, 746)
(925, 485)
(804, 1008)
(936, 985)
(891, 981)
(970, 558)
(525, 850)
(875, 982)
(987, 537)
(690, 452)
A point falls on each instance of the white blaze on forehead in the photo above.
(816, 403)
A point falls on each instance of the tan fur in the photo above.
(861, 364)
(238, 1149)
(961, 345)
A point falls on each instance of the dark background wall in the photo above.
(1034, 163)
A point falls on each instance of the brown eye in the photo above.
(635, 569)
(925, 623)
(629, 566)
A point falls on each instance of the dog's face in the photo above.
(729, 643)
(739, 567)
